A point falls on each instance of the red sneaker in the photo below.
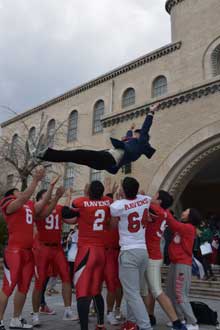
(128, 325)
(46, 310)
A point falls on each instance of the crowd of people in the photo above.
(117, 240)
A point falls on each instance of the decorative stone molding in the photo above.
(171, 101)
(184, 174)
(171, 3)
(111, 75)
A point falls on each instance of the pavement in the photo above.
(55, 322)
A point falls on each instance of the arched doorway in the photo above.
(203, 191)
(191, 173)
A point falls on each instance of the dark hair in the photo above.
(10, 192)
(40, 194)
(195, 218)
(137, 131)
(96, 190)
(130, 187)
(166, 199)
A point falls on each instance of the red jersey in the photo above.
(111, 238)
(50, 228)
(19, 223)
(92, 220)
(155, 230)
(181, 247)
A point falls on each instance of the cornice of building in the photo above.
(171, 3)
(168, 102)
(108, 76)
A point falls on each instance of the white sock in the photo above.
(35, 314)
(68, 308)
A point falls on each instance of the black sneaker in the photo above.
(2, 327)
(153, 320)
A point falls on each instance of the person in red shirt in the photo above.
(49, 252)
(18, 211)
(90, 260)
(156, 226)
(111, 273)
(180, 271)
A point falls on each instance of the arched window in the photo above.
(32, 134)
(215, 58)
(159, 86)
(72, 126)
(51, 132)
(99, 110)
(69, 175)
(128, 97)
(14, 142)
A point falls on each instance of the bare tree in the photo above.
(20, 153)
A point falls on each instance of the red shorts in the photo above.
(47, 257)
(89, 271)
(18, 270)
(111, 276)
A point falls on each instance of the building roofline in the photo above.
(167, 102)
(171, 3)
(152, 56)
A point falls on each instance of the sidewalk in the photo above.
(55, 322)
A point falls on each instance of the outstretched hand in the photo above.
(154, 107)
(59, 192)
(54, 180)
(39, 173)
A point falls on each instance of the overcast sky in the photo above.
(50, 46)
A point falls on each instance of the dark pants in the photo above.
(99, 160)
(43, 301)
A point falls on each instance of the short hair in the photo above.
(195, 217)
(137, 131)
(130, 187)
(165, 198)
(40, 194)
(96, 190)
(10, 192)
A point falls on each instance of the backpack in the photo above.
(204, 314)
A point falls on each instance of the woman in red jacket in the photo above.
(180, 253)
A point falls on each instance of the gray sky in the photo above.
(50, 46)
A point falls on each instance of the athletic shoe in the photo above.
(128, 325)
(153, 320)
(192, 327)
(170, 324)
(54, 291)
(46, 310)
(17, 323)
(218, 326)
(182, 327)
(2, 327)
(118, 315)
(69, 315)
(35, 320)
(111, 319)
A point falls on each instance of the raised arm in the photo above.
(144, 135)
(39, 206)
(175, 225)
(46, 211)
(27, 193)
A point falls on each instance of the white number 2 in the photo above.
(99, 219)
(52, 222)
(29, 216)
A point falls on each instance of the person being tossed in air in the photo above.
(125, 151)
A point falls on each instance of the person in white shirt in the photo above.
(72, 241)
(131, 214)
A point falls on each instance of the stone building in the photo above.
(184, 76)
